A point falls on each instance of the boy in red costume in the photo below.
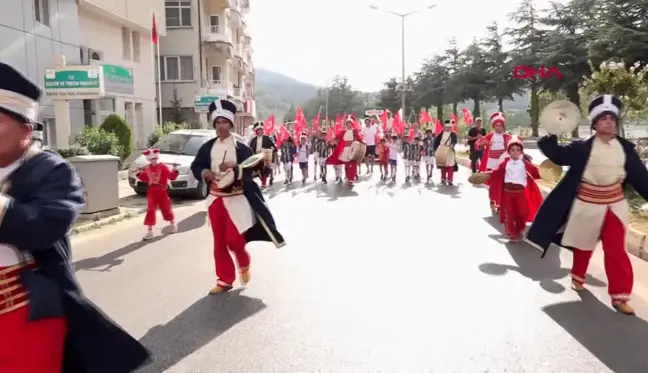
(495, 145)
(157, 176)
(513, 183)
(342, 152)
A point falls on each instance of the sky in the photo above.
(312, 41)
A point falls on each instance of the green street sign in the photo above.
(201, 103)
(74, 82)
(118, 80)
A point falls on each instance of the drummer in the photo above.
(446, 160)
(261, 143)
(342, 154)
(237, 212)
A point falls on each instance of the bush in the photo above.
(99, 142)
(116, 125)
(164, 129)
(73, 152)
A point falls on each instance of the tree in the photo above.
(389, 98)
(342, 98)
(499, 81)
(453, 64)
(430, 85)
(177, 115)
(470, 77)
(290, 115)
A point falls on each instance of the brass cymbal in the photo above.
(479, 178)
(550, 171)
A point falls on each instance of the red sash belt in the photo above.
(495, 154)
(348, 143)
(600, 195)
(233, 190)
(513, 188)
(12, 294)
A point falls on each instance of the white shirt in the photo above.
(303, 154)
(393, 151)
(369, 135)
(238, 207)
(497, 142)
(259, 144)
(9, 255)
(515, 172)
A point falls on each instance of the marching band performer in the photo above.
(259, 143)
(321, 151)
(407, 147)
(288, 154)
(342, 152)
(416, 157)
(48, 325)
(238, 213)
(448, 139)
(428, 153)
(157, 176)
(588, 204)
(513, 181)
(494, 145)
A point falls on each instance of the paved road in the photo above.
(378, 279)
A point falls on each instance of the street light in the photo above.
(404, 88)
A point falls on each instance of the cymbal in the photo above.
(479, 178)
(550, 171)
(560, 117)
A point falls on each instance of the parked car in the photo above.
(178, 147)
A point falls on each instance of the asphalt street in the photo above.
(383, 278)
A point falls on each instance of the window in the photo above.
(42, 11)
(178, 13)
(216, 74)
(176, 68)
(214, 23)
(136, 46)
(175, 143)
(126, 43)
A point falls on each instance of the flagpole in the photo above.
(159, 79)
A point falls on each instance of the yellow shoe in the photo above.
(245, 275)
(577, 286)
(624, 308)
(220, 289)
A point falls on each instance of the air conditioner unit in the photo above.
(91, 56)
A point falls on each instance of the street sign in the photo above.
(118, 80)
(374, 112)
(75, 83)
(201, 103)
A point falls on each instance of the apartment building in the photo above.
(31, 33)
(206, 55)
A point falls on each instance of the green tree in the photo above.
(389, 98)
(499, 80)
(118, 126)
(453, 64)
(470, 79)
(342, 98)
(177, 114)
(430, 85)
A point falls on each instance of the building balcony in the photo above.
(220, 4)
(220, 88)
(218, 42)
(245, 6)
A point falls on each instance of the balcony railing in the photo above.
(213, 34)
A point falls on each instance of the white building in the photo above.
(205, 55)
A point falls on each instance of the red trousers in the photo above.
(447, 173)
(157, 196)
(31, 347)
(351, 170)
(516, 211)
(226, 238)
(618, 267)
(264, 180)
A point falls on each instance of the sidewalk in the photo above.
(635, 241)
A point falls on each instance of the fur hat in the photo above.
(19, 96)
(498, 117)
(151, 154)
(222, 109)
(257, 126)
(604, 105)
(515, 141)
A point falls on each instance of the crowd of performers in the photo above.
(586, 207)
(353, 147)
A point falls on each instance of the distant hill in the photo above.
(275, 93)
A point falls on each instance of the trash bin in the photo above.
(99, 175)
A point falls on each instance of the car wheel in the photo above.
(202, 191)
(139, 192)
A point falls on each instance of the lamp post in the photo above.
(403, 87)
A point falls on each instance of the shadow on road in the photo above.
(114, 258)
(202, 322)
(529, 264)
(617, 340)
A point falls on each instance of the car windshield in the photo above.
(183, 144)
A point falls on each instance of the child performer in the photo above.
(338, 167)
(321, 152)
(417, 150)
(514, 183)
(393, 156)
(383, 159)
(408, 157)
(288, 152)
(302, 157)
(428, 154)
(157, 175)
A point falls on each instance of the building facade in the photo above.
(35, 34)
(206, 54)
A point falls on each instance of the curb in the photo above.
(635, 239)
(124, 215)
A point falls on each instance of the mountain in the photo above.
(276, 93)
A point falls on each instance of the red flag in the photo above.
(154, 32)
(329, 134)
(467, 116)
(269, 125)
(412, 132)
(424, 117)
(438, 127)
(398, 125)
(316, 122)
(283, 135)
(455, 121)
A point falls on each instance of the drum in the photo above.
(268, 156)
(442, 155)
(358, 151)
(225, 179)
